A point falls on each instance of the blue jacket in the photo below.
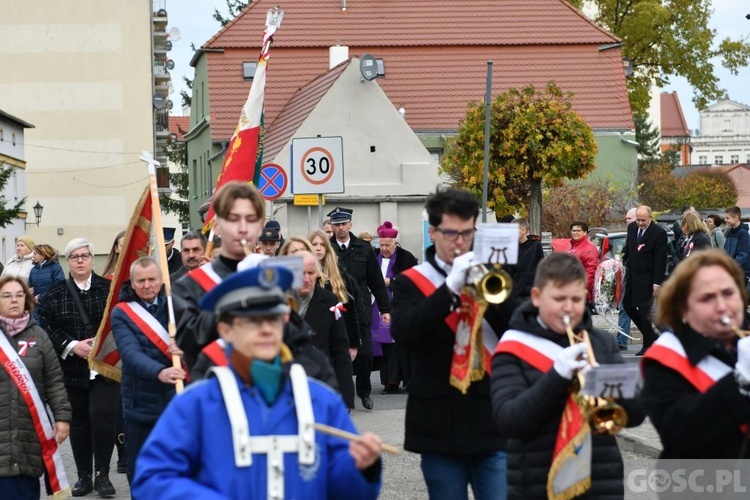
(737, 245)
(43, 275)
(189, 453)
(144, 397)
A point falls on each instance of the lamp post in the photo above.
(38, 208)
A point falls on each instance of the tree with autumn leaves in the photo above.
(535, 138)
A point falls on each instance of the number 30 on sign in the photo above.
(317, 165)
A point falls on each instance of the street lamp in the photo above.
(38, 208)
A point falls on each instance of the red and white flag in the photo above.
(244, 156)
(104, 357)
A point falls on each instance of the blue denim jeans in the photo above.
(448, 476)
(623, 323)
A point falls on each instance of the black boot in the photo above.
(83, 486)
(103, 485)
(122, 454)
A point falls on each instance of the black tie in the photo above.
(152, 309)
(640, 235)
(343, 248)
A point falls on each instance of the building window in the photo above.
(719, 160)
(702, 160)
(734, 159)
(248, 70)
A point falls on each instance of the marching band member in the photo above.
(533, 370)
(696, 380)
(247, 432)
(449, 412)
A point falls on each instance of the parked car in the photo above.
(612, 244)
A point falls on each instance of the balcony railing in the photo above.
(161, 121)
(159, 7)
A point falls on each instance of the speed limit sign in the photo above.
(317, 165)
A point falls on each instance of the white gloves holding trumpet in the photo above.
(456, 279)
(570, 360)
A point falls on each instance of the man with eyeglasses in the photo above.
(70, 313)
(358, 259)
(453, 431)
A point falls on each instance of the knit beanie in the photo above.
(26, 239)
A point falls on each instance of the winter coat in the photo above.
(737, 245)
(439, 418)
(717, 238)
(19, 266)
(42, 276)
(691, 423)
(144, 396)
(359, 261)
(189, 453)
(330, 338)
(691, 243)
(589, 257)
(530, 253)
(20, 450)
(528, 405)
(62, 320)
(645, 262)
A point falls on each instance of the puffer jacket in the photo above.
(144, 396)
(43, 275)
(19, 266)
(20, 450)
(528, 404)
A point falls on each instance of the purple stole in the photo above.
(381, 334)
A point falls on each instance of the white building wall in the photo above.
(389, 183)
(12, 156)
(725, 135)
(81, 72)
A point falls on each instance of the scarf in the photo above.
(14, 326)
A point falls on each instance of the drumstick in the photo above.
(333, 431)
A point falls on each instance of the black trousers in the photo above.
(92, 429)
(641, 316)
(363, 365)
(136, 434)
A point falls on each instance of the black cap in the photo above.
(340, 215)
(270, 234)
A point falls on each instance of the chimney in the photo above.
(337, 54)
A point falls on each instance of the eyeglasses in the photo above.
(81, 257)
(452, 234)
(10, 296)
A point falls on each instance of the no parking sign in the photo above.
(273, 180)
(317, 165)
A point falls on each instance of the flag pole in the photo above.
(162, 252)
(210, 244)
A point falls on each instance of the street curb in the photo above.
(629, 441)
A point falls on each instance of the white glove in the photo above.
(743, 358)
(252, 260)
(456, 280)
(567, 361)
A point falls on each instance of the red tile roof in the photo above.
(435, 55)
(673, 123)
(179, 125)
(297, 110)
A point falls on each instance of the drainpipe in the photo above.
(224, 146)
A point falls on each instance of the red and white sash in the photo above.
(20, 375)
(570, 470)
(668, 351)
(216, 352)
(465, 365)
(206, 277)
(148, 324)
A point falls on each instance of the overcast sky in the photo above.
(196, 23)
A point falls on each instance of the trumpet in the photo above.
(603, 415)
(493, 285)
(727, 321)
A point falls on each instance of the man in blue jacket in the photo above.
(737, 243)
(139, 324)
(247, 432)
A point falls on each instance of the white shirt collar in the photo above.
(345, 243)
(442, 265)
(86, 286)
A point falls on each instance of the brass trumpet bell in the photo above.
(494, 285)
(607, 417)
